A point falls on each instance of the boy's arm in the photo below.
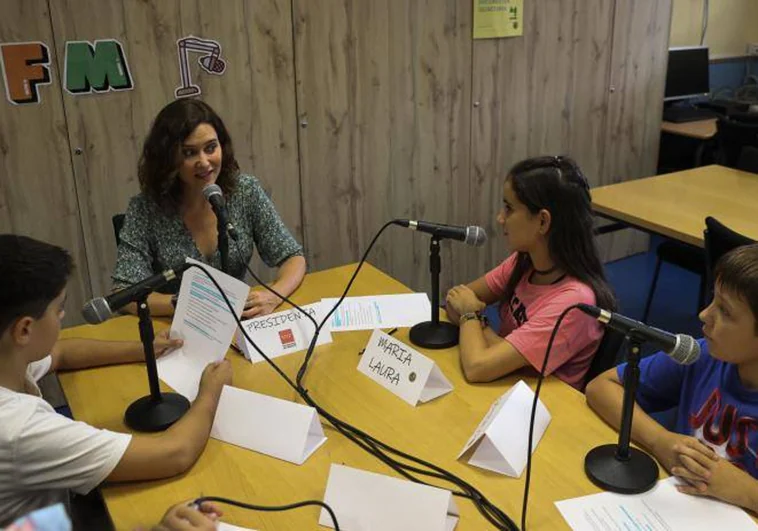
(77, 353)
(176, 449)
(605, 394)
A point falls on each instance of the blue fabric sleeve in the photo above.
(660, 383)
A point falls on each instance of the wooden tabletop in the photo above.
(676, 204)
(436, 431)
(701, 129)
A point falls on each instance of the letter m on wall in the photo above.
(97, 67)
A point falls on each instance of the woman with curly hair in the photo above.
(189, 147)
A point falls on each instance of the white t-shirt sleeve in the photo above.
(53, 451)
(37, 369)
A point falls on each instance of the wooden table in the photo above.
(701, 129)
(675, 205)
(435, 431)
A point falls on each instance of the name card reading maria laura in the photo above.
(403, 370)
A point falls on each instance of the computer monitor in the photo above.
(687, 73)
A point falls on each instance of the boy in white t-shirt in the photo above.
(43, 455)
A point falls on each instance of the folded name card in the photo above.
(283, 333)
(500, 442)
(367, 501)
(267, 425)
(403, 370)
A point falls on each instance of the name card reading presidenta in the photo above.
(402, 369)
(283, 332)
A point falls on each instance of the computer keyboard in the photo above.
(687, 114)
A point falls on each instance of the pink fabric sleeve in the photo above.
(498, 277)
(577, 331)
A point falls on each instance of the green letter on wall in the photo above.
(98, 68)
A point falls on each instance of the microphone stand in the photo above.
(157, 411)
(618, 467)
(434, 334)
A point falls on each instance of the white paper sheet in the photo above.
(662, 509)
(379, 311)
(203, 320)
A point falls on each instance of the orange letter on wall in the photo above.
(25, 65)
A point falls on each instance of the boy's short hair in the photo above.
(32, 275)
(737, 273)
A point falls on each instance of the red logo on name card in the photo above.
(287, 338)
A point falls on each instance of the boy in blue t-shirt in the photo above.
(715, 443)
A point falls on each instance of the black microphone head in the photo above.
(475, 236)
(96, 311)
(213, 189)
(686, 351)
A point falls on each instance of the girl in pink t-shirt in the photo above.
(547, 220)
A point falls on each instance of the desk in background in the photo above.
(687, 137)
(436, 431)
(700, 130)
(675, 205)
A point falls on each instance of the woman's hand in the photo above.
(260, 302)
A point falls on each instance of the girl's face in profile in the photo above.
(520, 226)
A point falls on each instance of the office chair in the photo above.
(719, 240)
(606, 356)
(118, 224)
(682, 255)
(731, 137)
(748, 160)
(744, 117)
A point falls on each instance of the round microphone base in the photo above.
(635, 475)
(434, 335)
(151, 414)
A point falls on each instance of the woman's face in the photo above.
(200, 158)
(522, 228)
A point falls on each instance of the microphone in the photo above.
(682, 348)
(471, 235)
(101, 309)
(215, 197)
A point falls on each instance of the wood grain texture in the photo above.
(37, 188)
(724, 193)
(385, 88)
(543, 94)
(638, 76)
(435, 431)
(255, 97)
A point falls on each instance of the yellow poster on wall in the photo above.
(498, 18)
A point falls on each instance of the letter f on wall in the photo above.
(25, 67)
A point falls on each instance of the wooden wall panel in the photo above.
(255, 97)
(385, 90)
(37, 190)
(370, 110)
(638, 76)
(545, 93)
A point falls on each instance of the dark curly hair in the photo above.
(161, 153)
